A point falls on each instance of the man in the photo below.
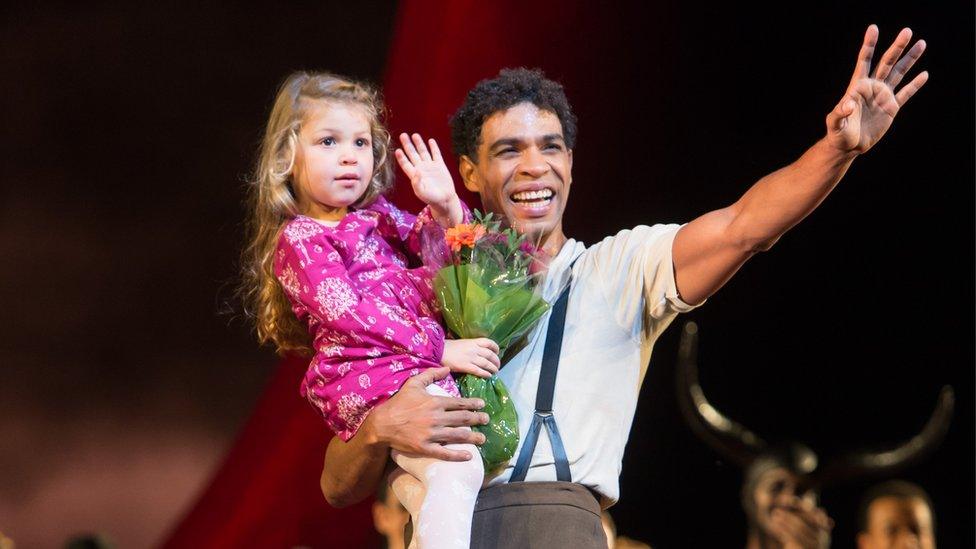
(896, 515)
(515, 136)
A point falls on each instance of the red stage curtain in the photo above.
(266, 494)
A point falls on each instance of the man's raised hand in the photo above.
(870, 104)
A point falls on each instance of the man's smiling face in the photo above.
(523, 171)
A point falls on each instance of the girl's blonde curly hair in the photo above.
(272, 201)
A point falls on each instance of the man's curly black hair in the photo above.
(509, 88)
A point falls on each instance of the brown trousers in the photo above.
(535, 515)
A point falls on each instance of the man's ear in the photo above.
(469, 174)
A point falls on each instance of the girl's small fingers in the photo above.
(405, 164)
(401, 157)
(418, 142)
(435, 151)
(491, 357)
(488, 344)
(490, 365)
(472, 367)
(482, 367)
(408, 148)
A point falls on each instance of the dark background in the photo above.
(129, 132)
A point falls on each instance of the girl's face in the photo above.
(334, 160)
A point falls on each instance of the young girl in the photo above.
(329, 258)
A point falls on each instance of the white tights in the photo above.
(439, 495)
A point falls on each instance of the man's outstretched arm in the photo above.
(710, 249)
(412, 421)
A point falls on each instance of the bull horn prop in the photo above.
(725, 436)
(877, 463)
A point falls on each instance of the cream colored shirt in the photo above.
(623, 297)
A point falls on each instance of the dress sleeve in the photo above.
(320, 290)
(409, 227)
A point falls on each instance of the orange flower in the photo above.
(464, 234)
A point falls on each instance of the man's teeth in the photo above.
(544, 194)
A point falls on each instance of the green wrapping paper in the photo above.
(501, 433)
(485, 286)
(480, 302)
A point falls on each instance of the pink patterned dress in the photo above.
(375, 322)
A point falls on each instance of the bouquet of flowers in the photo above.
(485, 285)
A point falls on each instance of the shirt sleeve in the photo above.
(636, 272)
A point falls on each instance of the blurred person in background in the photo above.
(781, 508)
(615, 541)
(389, 517)
(896, 515)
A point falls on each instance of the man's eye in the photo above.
(329, 141)
(362, 142)
(507, 150)
(553, 147)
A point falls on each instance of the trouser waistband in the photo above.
(513, 494)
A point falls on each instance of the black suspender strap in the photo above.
(543, 399)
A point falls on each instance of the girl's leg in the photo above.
(451, 488)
